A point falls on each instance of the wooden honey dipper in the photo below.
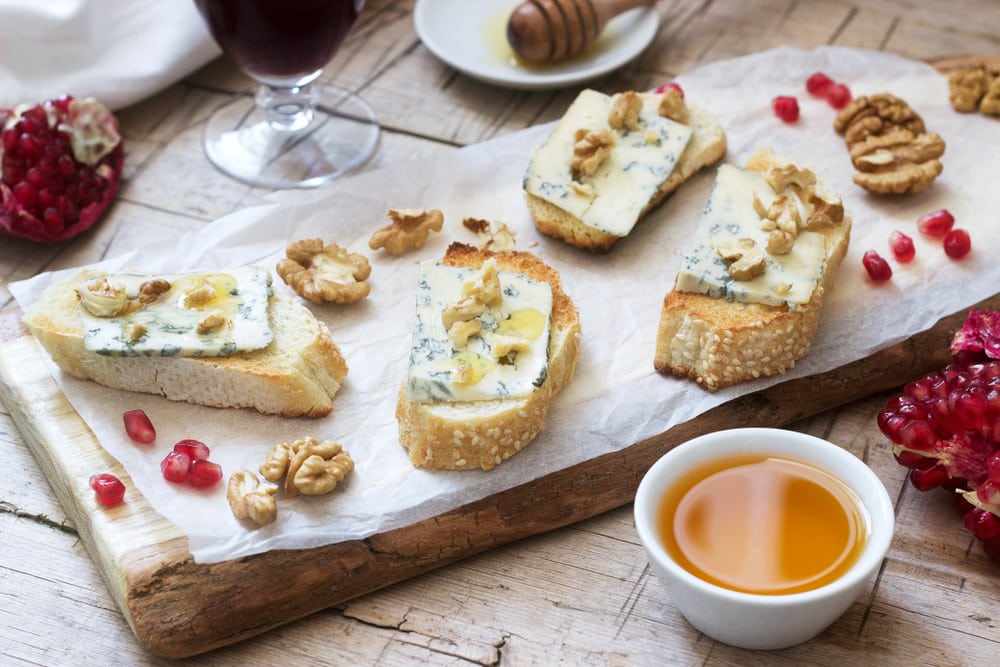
(547, 31)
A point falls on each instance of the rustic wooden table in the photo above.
(578, 595)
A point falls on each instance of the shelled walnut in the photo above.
(408, 230)
(625, 111)
(592, 147)
(889, 145)
(325, 273)
(250, 499)
(496, 237)
(309, 466)
(975, 88)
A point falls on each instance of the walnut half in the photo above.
(324, 273)
(408, 230)
(746, 260)
(250, 499)
(592, 147)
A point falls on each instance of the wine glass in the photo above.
(294, 132)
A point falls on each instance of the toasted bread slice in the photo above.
(297, 374)
(457, 435)
(719, 342)
(706, 147)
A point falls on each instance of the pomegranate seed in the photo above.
(786, 108)
(819, 84)
(989, 493)
(175, 467)
(902, 247)
(917, 434)
(914, 460)
(993, 467)
(931, 478)
(139, 427)
(204, 473)
(109, 489)
(982, 524)
(936, 224)
(878, 269)
(838, 95)
(195, 449)
(669, 86)
(957, 243)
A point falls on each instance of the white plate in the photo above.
(470, 35)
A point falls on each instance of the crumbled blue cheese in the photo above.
(508, 358)
(642, 159)
(729, 215)
(168, 326)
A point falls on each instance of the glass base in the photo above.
(342, 136)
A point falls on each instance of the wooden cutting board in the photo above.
(179, 608)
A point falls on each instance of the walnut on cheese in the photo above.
(672, 106)
(325, 273)
(250, 499)
(746, 260)
(975, 88)
(309, 466)
(625, 111)
(102, 299)
(797, 206)
(408, 230)
(889, 145)
(592, 147)
(151, 290)
(498, 240)
(459, 317)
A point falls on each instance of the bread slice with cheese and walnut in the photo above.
(495, 340)
(220, 339)
(746, 301)
(610, 160)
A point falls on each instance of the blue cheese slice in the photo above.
(642, 159)
(168, 326)
(788, 279)
(508, 358)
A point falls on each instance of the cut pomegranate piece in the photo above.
(139, 427)
(878, 269)
(936, 224)
(957, 243)
(786, 108)
(195, 449)
(819, 84)
(60, 168)
(669, 86)
(838, 95)
(204, 473)
(175, 467)
(902, 247)
(945, 427)
(109, 489)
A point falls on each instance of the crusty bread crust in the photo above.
(707, 146)
(480, 434)
(296, 375)
(718, 342)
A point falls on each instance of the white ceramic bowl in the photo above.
(763, 621)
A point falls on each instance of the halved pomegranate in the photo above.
(945, 427)
(60, 167)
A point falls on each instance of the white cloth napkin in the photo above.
(120, 51)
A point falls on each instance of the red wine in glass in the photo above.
(296, 132)
(279, 39)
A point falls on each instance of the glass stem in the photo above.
(289, 108)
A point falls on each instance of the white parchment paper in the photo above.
(616, 398)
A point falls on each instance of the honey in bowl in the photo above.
(767, 525)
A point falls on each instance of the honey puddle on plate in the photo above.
(762, 524)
